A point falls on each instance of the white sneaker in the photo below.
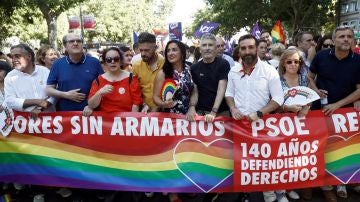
(149, 194)
(64, 192)
(281, 197)
(19, 186)
(341, 191)
(293, 195)
(39, 198)
(269, 196)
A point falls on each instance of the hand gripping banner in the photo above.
(164, 153)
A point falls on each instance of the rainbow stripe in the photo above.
(342, 158)
(5, 198)
(277, 33)
(189, 167)
(169, 87)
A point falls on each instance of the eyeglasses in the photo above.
(328, 46)
(110, 60)
(74, 40)
(289, 62)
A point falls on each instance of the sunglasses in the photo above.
(289, 62)
(110, 60)
(75, 40)
(328, 46)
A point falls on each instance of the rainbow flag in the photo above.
(277, 33)
(5, 198)
(342, 158)
(189, 167)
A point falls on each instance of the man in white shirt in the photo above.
(253, 90)
(25, 85)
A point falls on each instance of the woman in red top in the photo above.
(116, 90)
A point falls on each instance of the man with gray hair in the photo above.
(337, 82)
(210, 76)
(71, 77)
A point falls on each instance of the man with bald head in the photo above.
(220, 49)
(71, 77)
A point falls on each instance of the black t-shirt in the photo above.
(207, 76)
(338, 77)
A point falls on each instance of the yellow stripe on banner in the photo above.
(37, 150)
(341, 153)
(185, 157)
(39, 141)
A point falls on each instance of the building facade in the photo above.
(350, 15)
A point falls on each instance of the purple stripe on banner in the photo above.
(65, 182)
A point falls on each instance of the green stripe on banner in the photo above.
(344, 162)
(204, 169)
(11, 158)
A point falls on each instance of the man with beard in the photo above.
(147, 68)
(253, 90)
(337, 79)
(210, 76)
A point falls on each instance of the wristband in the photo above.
(215, 110)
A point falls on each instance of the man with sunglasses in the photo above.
(337, 79)
(70, 77)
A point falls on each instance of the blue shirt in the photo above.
(338, 77)
(67, 75)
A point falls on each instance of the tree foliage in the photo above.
(115, 19)
(296, 15)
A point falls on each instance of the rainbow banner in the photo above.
(277, 33)
(164, 153)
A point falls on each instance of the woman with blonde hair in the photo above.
(46, 56)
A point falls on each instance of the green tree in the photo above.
(117, 19)
(296, 15)
(51, 9)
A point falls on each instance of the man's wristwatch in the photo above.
(259, 114)
(215, 110)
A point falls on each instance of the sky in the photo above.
(184, 10)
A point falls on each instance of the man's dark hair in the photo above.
(135, 45)
(262, 40)
(248, 36)
(145, 37)
(27, 49)
(298, 37)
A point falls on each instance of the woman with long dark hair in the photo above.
(184, 99)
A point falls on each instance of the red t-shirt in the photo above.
(122, 98)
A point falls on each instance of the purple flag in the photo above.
(228, 45)
(206, 27)
(256, 30)
(135, 37)
(175, 31)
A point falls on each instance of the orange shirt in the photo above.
(123, 96)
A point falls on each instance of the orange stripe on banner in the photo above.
(33, 140)
(335, 143)
(211, 150)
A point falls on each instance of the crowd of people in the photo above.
(209, 82)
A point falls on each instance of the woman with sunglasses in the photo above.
(290, 76)
(116, 90)
(289, 70)
(324, 42)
